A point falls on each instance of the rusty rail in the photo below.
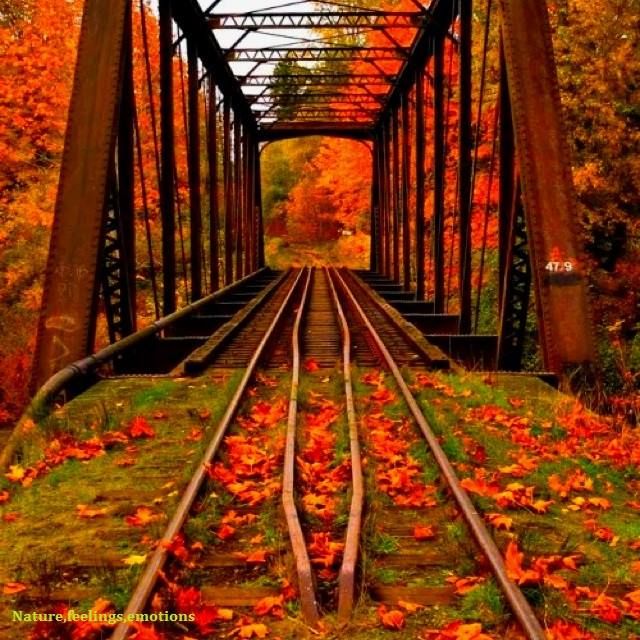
(306, 586)
(149, 577)
(346, 579)
(519, 605)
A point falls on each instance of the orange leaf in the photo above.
(257, 557)
(382, 395)
(195, 435)
(393, 619)
(140, 428)
(270, 605)
(142, 517)
(310, 365)
(458, 631)
(13, 587)
(634, 596)
(464, 585)
(288, 590)
(423, 532)
(409, 607)
(84, 511)
(562, 630)
(601, 503)
(225, 531)
(500, 521)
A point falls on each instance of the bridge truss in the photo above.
(405, 81)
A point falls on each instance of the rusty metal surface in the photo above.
(149, 576)
(306, 586)
(65, 330)
(347, 576)
(562, 302)
(514, 596)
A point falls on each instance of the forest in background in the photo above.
(319, 188)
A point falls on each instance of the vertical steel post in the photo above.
(246, 201)
(260, 230)
(381, 201)
(126, 184)
(237, 190)
(228, 193)
(565, 325)
(214, 207)
(464, 166)
(438, 174)
(420, 186)
(388, 203)
(167, 172)
(396, 195)
(507, 173)
(195, 201)
(375, 208)
(67, 315)
(406, 160)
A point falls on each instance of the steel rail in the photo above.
(149, 577)
(427, 358)
(519, 605)
(346, 578)
(306, 585)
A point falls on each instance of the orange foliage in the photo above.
(332, 194)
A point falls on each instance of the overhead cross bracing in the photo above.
(331, 66)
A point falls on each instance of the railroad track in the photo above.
(334, 506)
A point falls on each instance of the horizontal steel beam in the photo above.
(298, 54)
(324, 79)
(336, 114)
(317, 20)
(286, 130)
(312, 98)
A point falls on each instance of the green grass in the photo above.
(161, 391)
(49, 529)
(485, 603)
(383, 544)
(385, 575)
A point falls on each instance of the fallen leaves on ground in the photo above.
(134, 560)
(321, 481)
(457, 630)
(85, 511)
(139, 427)
(391, 618)
(423, 532)
(11, 588)
(142, 517)
(464, 585)
(270, 605)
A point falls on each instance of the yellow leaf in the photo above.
(16, 473)
(84, 511)
(409, 607)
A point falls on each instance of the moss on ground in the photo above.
(52, 550)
